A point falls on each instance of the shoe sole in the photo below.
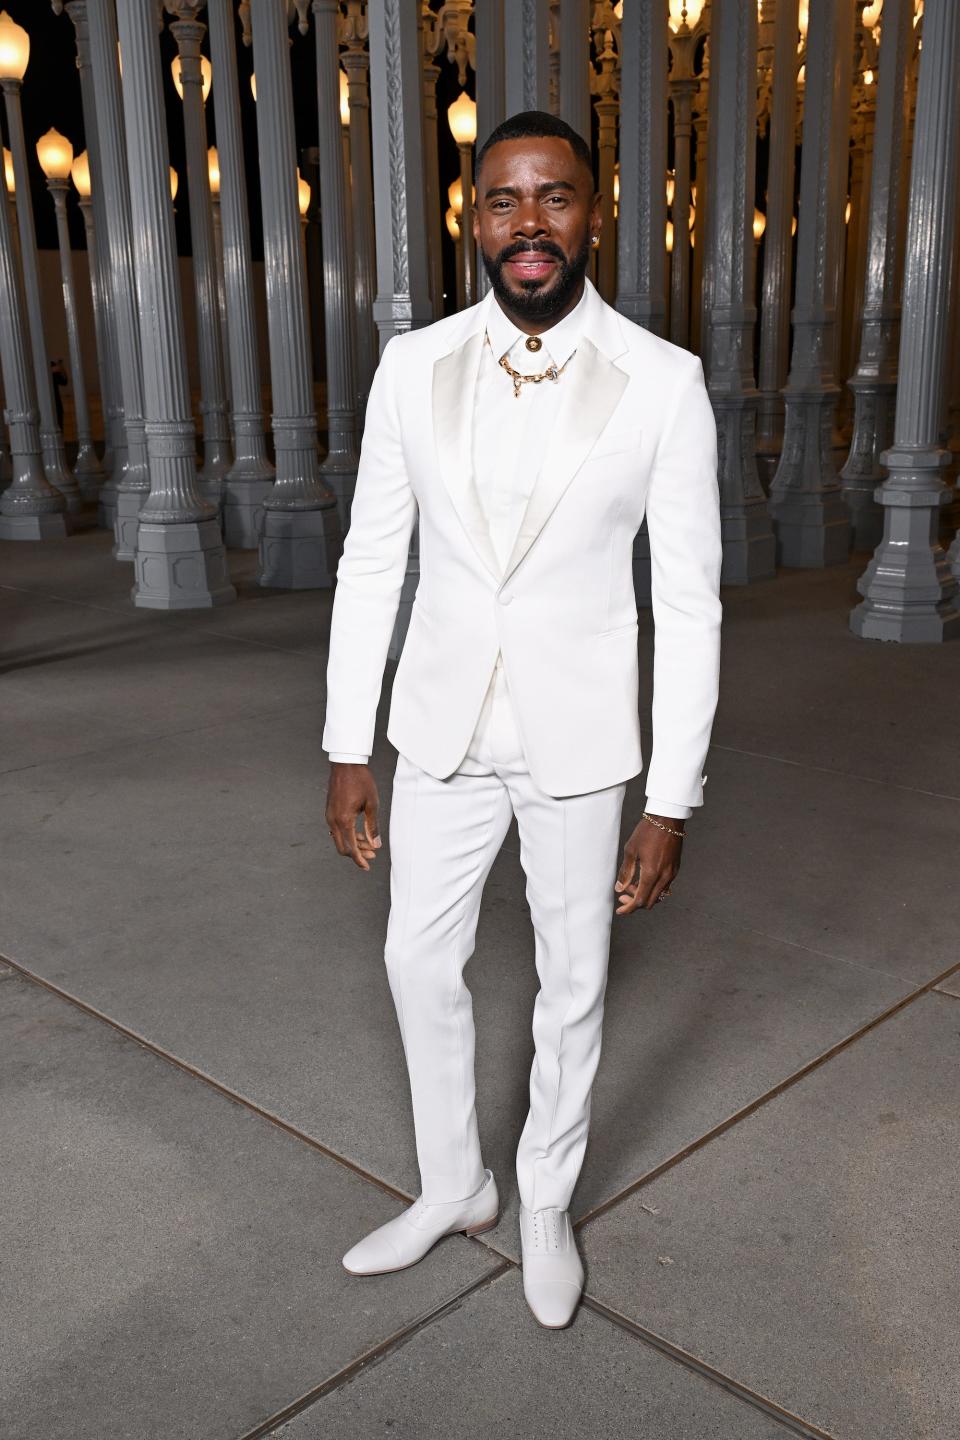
(395, 1269)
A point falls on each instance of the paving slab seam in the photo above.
(759, 1101)
(947, 994)
(197, 1074)
(372, 1356)
(795, 1424)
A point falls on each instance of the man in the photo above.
(532, 432)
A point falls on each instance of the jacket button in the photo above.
(505, 597)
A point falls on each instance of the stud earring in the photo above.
(595, 240)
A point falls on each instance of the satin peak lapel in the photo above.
(599, 385)
(454, 385)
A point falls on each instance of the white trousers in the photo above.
(444, 837)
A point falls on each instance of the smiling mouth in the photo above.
(531, 266)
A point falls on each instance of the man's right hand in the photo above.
(352, 791)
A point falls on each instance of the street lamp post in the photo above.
(462, 119)
(80, 175)
(192, 74)
(30, 508)
(14, 58)
(55, 154)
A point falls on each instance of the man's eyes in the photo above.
(553, 200)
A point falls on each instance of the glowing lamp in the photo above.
(206, 77)
(80, 175)
(453, 224)
(684, 14)
(174, 183)
(55, 154)
(213, 170)
(8, 171)
(759, 223)
(462, 119)
(14, 49)
(303, 194)
(344, 99)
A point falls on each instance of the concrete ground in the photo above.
(203, 1100)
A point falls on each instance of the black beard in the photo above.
(532, 302)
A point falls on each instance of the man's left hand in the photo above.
(651, 861)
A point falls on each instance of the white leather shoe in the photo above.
(552, 1268)
(406, 1238)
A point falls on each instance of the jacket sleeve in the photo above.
(371, 571)
(683, 521)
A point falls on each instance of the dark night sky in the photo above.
(51, 96)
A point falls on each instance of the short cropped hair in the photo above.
(536, 124)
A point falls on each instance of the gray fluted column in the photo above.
(431, 167)
(809, 514)
(777, 238)
(403, 286)
(180, 561)
(301, 534)
(575, 65)
(95, 222)
(748, 541)
(491, 88)
(133, 485)
(112, 417)
(51, 440)
(874, 381)
(250, 479)
(30, 508)
(339, 468)
(527, 55)
(642, 218)
(909, 592)
(188, 33)
(356, 63)
(87, 468)
(607, 106)
(6, 469)
(221, 295)
(491, 68)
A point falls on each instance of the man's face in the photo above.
(536, 214)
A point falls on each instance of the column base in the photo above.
(343, 483)
(927, 627)
(107, 509)
(33, 527)
(749, 545)
(866, 516)
(126, 522)
(243, 512)
(181, 567)
(812, 531)
(298, 549)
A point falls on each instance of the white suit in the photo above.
(559, 730)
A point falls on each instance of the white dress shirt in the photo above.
(509, 438)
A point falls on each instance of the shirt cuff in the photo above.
(669, 809)
(344, 759)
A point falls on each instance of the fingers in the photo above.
(645, 892)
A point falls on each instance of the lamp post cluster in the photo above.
(830, 403)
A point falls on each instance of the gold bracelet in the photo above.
(660, 826)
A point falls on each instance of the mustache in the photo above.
(528, 247)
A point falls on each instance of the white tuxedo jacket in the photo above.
(636, 435)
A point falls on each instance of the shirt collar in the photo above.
(559, 342)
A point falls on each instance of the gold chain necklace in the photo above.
(552, 372)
